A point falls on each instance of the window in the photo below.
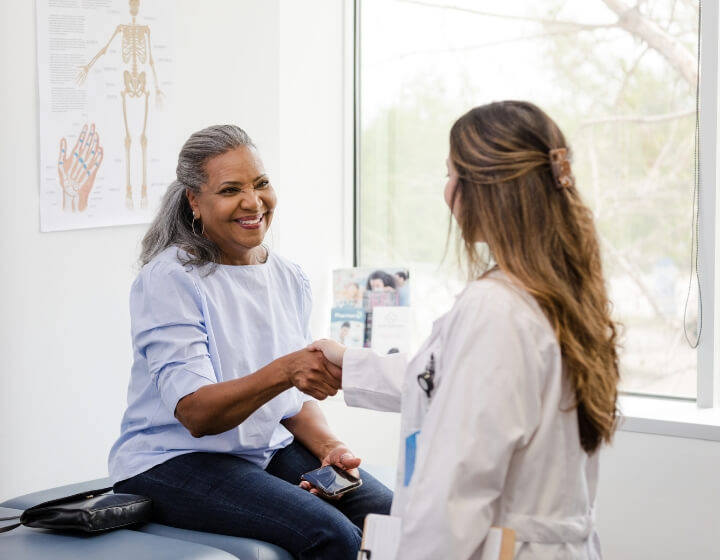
(622, 86)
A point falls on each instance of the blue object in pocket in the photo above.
(410, 453)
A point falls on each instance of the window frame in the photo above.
(708, 395)
(698, 418)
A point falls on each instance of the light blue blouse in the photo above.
(190, 329)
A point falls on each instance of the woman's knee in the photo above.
(333, 538)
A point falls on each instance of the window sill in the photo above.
(666, 417)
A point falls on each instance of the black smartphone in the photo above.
(332, 481)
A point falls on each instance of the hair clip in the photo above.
(561, 171)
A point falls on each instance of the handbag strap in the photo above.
(9, 527)
(81, 495)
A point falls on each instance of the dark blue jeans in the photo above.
(220, 493)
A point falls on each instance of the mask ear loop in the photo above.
(560, 164)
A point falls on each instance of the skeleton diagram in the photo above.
(136, 52)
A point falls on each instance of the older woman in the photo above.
(221, 422)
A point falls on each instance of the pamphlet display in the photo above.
(371, 308)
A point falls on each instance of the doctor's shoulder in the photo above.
(496, 299)
(494, 292)
(495, 315)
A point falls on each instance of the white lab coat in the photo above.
(498, 438)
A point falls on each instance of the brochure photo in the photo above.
(366, 290)
(367, 287)
(347, 326)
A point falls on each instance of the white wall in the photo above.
(64, 346)
(63, 335)
(659, 498)
(312, 225)
(276, 68)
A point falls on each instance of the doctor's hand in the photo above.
(312, 374)
(333, 351)
(340, 456)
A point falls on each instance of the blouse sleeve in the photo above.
(305, 307)
(168, 330)
(487, 404)
(305, 304)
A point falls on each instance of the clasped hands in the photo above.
(317, 370)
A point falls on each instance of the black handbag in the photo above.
(91, 512)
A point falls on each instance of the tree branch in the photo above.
(639, 118)
(628, 75)
(664, 154)
(632, 274)
(494, 43)
(544, 21)
(595, 175)
(679, 57)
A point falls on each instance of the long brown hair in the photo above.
(543, 237)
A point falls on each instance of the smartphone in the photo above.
(332, 481)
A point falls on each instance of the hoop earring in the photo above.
(192, 226)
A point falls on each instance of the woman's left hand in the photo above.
(342, 457)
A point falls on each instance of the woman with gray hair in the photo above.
(221, 420)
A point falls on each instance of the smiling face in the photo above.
(235, 205)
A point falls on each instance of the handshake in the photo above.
(317, 369)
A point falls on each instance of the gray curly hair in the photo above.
(173, 224)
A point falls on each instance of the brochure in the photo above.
(390, 330)
(365, 290)
(347, 326)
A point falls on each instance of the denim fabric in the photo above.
(220, 493)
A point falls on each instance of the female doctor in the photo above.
(507, 403)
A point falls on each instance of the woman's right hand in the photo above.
(333, 351)
(312, 373)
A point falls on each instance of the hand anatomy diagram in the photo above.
(77, 169)
(136, 53)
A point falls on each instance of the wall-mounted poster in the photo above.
(376, 300)
(105, 79)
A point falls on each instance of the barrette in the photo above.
(561, 171)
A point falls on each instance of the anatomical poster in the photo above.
(105, 80)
